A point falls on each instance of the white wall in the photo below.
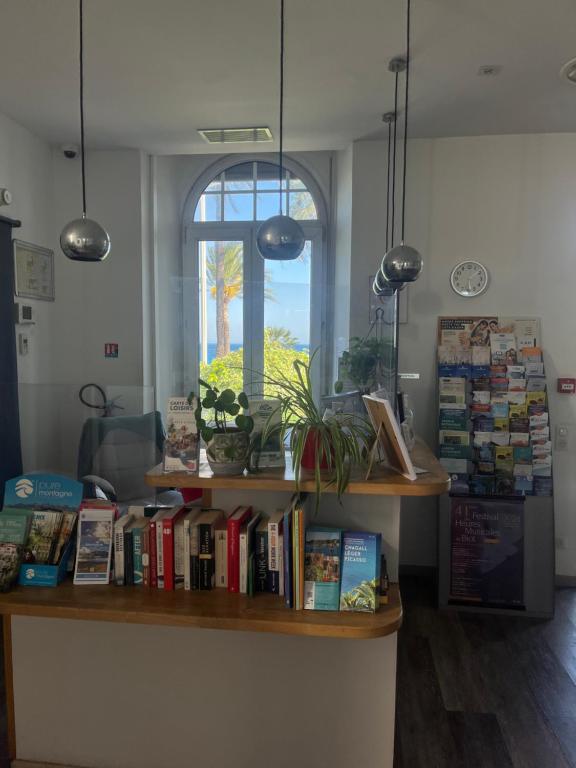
(508, 201)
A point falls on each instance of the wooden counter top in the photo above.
(214, 609)
(383, 481)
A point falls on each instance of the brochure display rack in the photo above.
(497, 525)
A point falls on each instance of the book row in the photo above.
(247, 552)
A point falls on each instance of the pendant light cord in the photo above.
(280, 154)
(407, 76)
(388, 188)
(393, 222)
(82, 108)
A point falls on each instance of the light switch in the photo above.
(562, 441)
(23, 344)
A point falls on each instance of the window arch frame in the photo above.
(315, 230)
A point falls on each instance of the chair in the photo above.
(116, 452)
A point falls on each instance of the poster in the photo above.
(487, 552)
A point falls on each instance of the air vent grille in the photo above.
(235, 135)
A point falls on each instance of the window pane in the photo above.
(268, 204)
(239, 178)
(295, 182)
(287, 314)
(215, 186)
(267, 176)
(239, 206)
(208, 208)
(220, 291)
(302, 206)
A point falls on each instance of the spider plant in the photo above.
(337, 444)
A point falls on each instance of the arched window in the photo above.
(250, 192)
(246, 316)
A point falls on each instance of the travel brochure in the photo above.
(493, 422)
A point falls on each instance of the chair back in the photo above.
(121, 449)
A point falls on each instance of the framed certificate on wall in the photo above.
(33, 271)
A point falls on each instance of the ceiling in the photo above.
(156, 70)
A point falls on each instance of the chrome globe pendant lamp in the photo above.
(280, 238)
(84, 239)
(402, 263)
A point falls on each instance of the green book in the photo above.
(15, 525)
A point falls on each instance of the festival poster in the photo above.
(487, 552)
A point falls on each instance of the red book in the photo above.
(239, 516)
(168, 522)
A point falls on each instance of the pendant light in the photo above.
(403, 263)
(84, 239)
(280, 238)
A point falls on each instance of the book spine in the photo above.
(179, 556)
(194, 558)
(153, 555)
(243, 563)
(168, 554)
(206, 555)
(137, 554)
(187, 579)
(233, 555)
(295, 566)
(281, 564)
(287, 547)
(301, 545)
(221, 557)
(119, 557)
(159, 555)
(261, 546)
(128, 559)
(272, 546)
(146, 556)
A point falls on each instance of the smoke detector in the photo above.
(568, 71)
(235, 135)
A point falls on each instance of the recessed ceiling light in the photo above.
(569, 71)
(235, 135)
(489, 70)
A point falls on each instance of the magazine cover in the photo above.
(94, 548)
(182, 444)
(360, 571)
(322, 569)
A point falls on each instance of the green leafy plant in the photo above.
(225, 406)
(338, 443)
(362, 597)
(365, 360)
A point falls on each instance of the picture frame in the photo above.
(388, 437)
(33, 271)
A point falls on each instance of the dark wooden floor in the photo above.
(483, 691)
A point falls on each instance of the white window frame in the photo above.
(253, 300)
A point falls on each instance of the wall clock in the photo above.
(469, 278)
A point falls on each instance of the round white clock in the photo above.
(469, 278)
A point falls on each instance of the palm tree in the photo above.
(280, 335)
(224, 273)
(225, 277)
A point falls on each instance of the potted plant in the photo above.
(364, 362)
(326, 447)
(227, 433)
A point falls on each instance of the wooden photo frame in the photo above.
(388, 437)
(33, 271)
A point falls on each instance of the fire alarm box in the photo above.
(567, 386)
